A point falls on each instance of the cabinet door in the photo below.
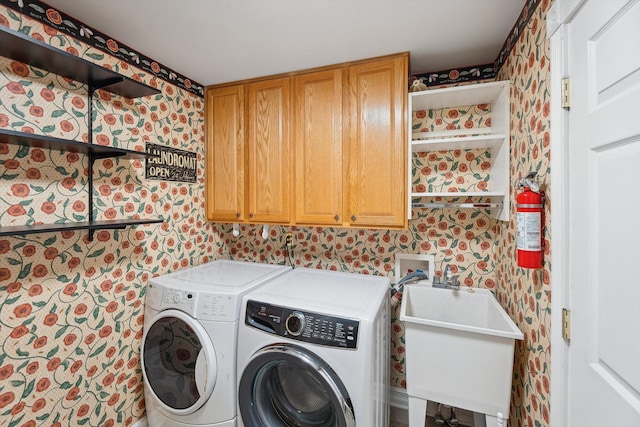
(269, 171)
(377, 158)
(225, 154)
(318, 147)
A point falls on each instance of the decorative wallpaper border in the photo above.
(528, 10)
(456, 75)
(49, 16)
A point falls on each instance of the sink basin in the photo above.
(459, 348)
(471, 310)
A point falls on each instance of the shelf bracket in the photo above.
(92, 158)
(100, 84)
(98, 156)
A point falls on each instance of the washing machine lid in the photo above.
(326, 291)
(222, 276)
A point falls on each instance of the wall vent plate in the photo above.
(406, 263)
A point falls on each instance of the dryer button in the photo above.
(177, 297)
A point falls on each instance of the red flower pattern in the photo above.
(112, 45)
(33, 173)
(47, 95)
(16, 88)
(54, 16)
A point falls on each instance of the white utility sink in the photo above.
(459, 351)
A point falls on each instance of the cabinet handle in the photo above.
(353, 218)
(250, 214)
(337, 218)
(238, 215)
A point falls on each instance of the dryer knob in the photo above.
(177, 297)
(295, 323)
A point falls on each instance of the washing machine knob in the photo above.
(177, 297)
(295, 323)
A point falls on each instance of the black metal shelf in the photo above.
(20, 47)
(67, 226)
(48, 142)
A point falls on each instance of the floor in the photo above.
(399, 418)
(430, 423)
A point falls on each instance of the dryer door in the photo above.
(178, 362)
(287, 385)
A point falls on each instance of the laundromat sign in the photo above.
(170, 164)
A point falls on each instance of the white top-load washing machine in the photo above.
(188, 349)
(313, 350)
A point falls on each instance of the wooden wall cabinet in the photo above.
(323, 147)
(248, 155)
(269, 173)
(225, 154)
(377, 157)
(319, 147)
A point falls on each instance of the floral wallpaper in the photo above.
(446, 119)
(526, 294)
(457, 170)
(451, 171)
(71, 311)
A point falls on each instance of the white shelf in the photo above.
(495, 204)
(457, 143)
(473, 94)
(452, 134)
(458, 195)
(466, 205)
(494, 138)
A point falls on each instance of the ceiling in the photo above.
(217, 41)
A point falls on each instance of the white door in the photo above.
(604, 211)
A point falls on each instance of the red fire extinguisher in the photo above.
(530, 220)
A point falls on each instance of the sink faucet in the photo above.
(449, 281)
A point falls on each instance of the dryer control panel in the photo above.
(200, 305)
(302, 325)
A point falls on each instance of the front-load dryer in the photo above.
(313, 350)
(188, 349)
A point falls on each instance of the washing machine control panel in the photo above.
(302, 325)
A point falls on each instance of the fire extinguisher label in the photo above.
(529, 231)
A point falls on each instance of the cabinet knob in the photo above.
(238, 215)
(353, 218)
(337, 218)
(250, 214)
